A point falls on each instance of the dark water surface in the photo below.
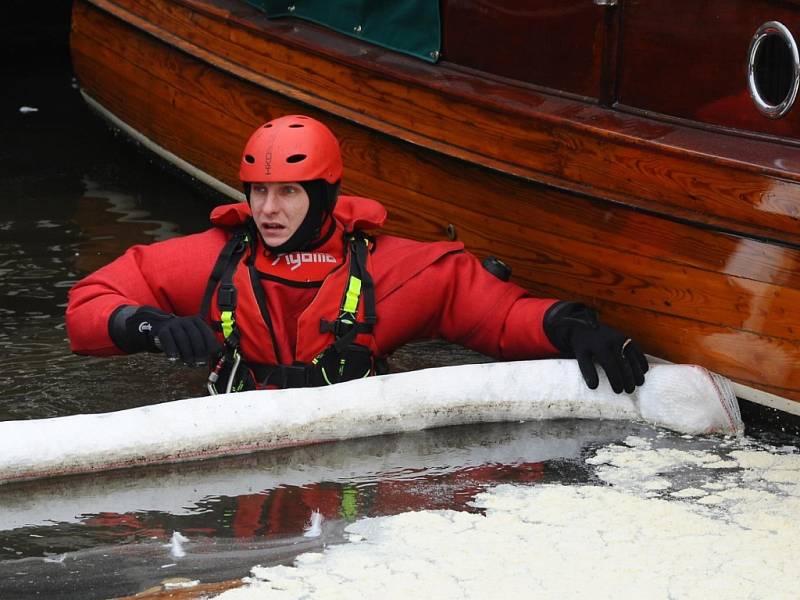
(73, 197)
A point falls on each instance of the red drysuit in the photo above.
(422, 290)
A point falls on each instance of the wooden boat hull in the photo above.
(692, 249)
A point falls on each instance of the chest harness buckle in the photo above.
(343, 360)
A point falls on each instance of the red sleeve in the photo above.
(456, 299)
(170, 275)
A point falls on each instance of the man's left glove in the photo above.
(576, 331)
(134, 329)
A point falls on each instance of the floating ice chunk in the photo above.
(721, 464)
(27, 109)
(55, 558)
(658, 483)
(314, 528)
(176, 545)
(637, 442)
(759, 461)
(559, 541)
(309, 558)
(712, 499)
(180, 584)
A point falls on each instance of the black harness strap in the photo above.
(367, 285)
(261, 299)
(229, 257)
(345, 328)
(282, 376)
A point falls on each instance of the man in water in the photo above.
(287, 290)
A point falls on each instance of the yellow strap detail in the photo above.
(351, 297)
(349, 507)
(227, 323)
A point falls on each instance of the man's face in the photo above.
(278, 210)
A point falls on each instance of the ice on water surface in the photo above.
(721, 519)
(175, 545)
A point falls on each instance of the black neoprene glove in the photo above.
(575, 330)
(135, 329)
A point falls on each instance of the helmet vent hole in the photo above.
(296, 125)
(296, 158)
(249, 159)
(268, 125)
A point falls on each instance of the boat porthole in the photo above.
(773, 69)
(249, 159)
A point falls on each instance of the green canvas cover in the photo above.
(409, 26)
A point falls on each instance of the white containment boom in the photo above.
(683, 398)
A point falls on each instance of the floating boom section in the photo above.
(684, 398)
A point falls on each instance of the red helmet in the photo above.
(291, 148)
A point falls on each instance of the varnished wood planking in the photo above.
(524, 207)
(202, 590)
(561, 215)
(184, 123)
(519, 131)
(551, 238)
(544, 249)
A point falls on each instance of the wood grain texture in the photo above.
(203, 590)
(749, 186)
(687, 292)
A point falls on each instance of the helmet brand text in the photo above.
(268, 162)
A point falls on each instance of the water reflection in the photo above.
(41, 258)
(263, 502)
(110, 222)
(456, 455)
(60, 220)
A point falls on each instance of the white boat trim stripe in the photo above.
(174, 159)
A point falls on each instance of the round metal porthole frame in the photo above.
(767, 109)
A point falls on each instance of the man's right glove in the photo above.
(576, 331)
(134, 329)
